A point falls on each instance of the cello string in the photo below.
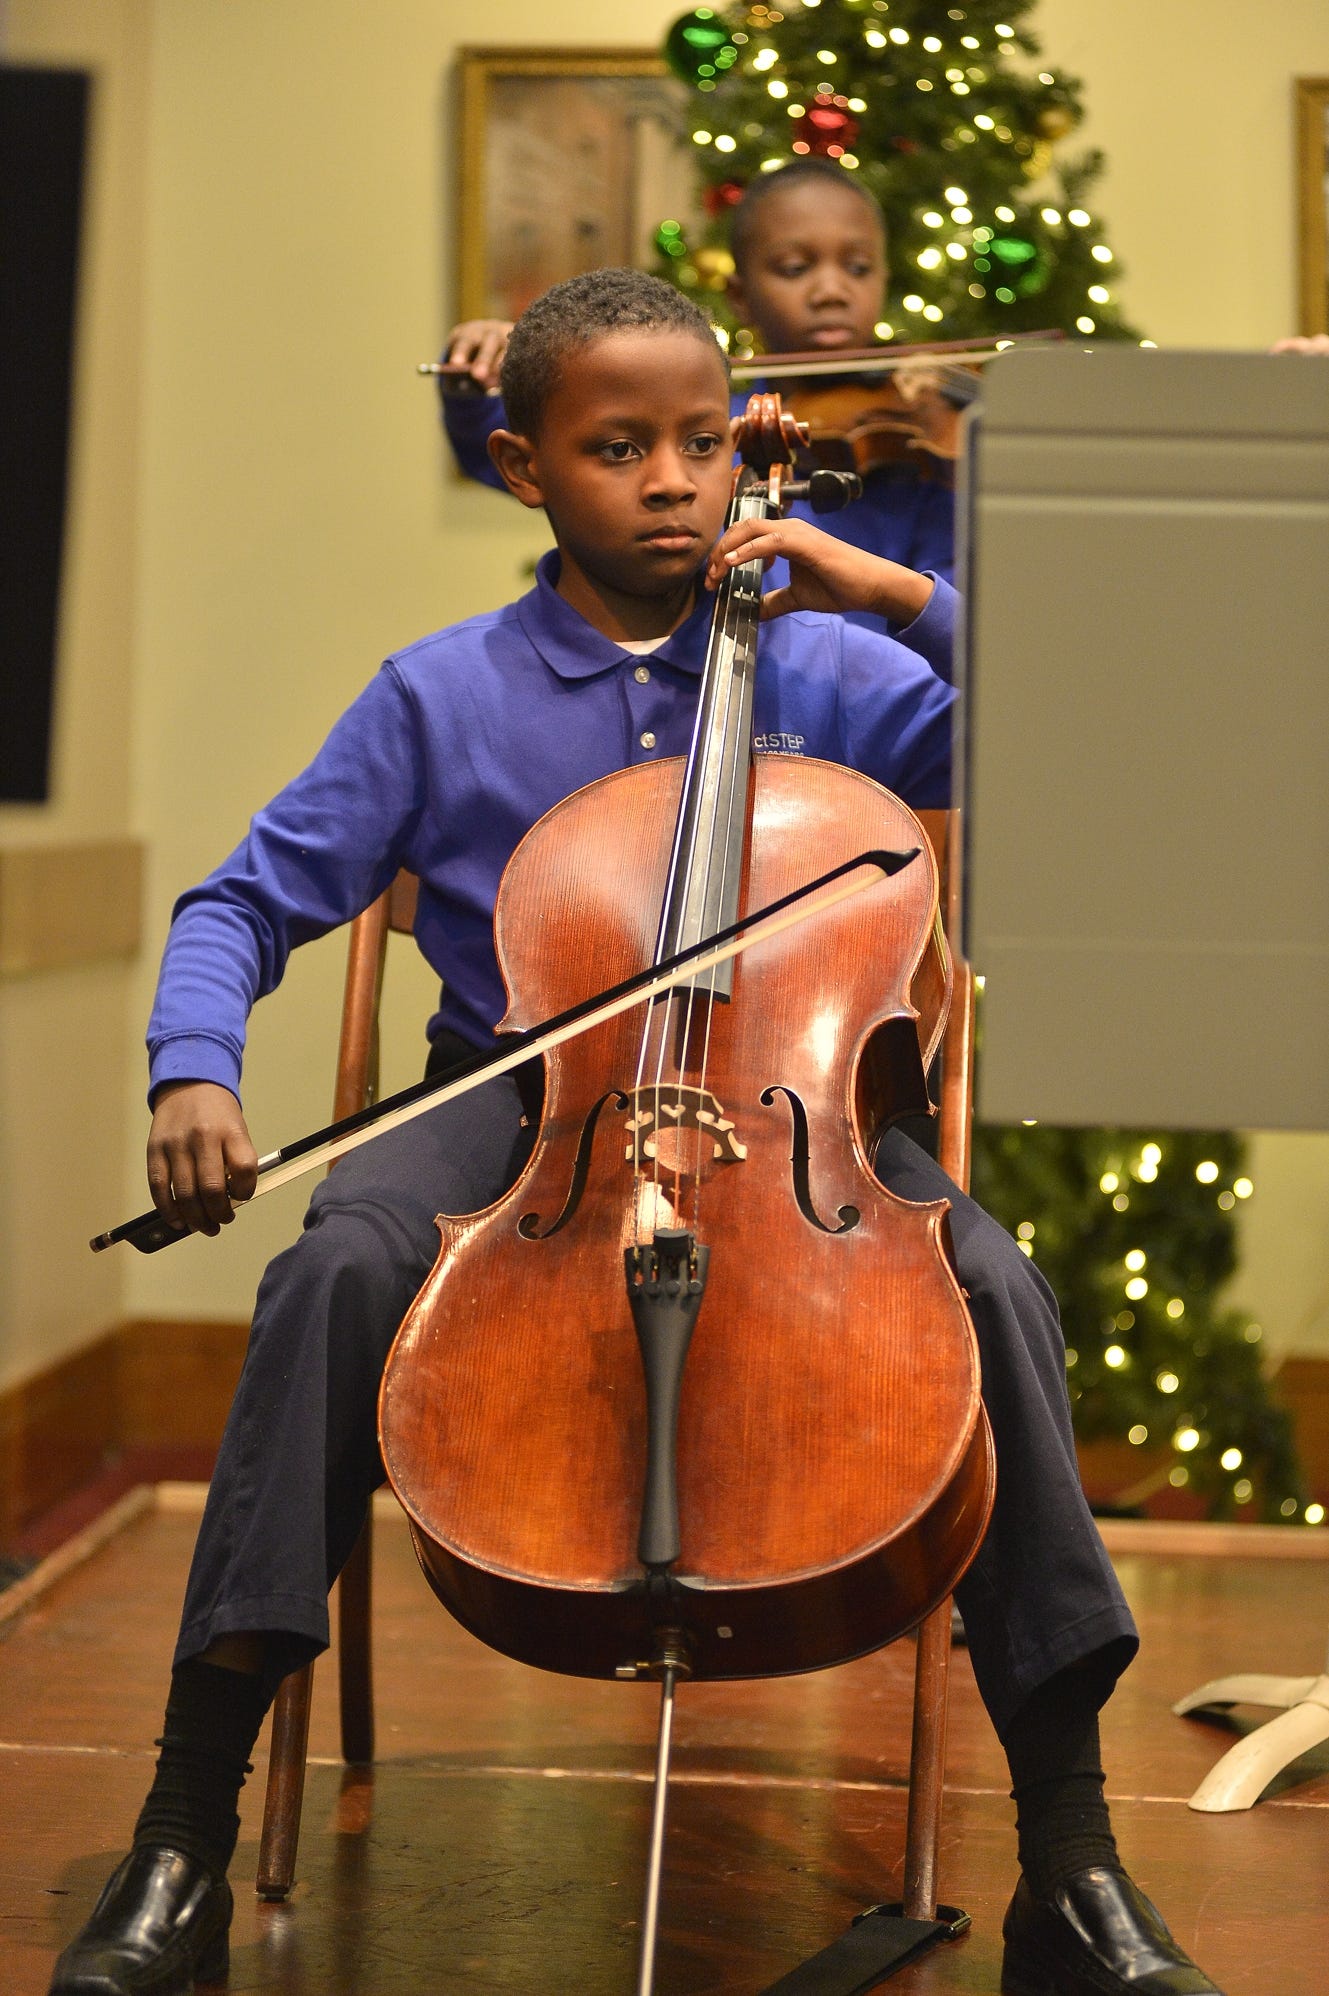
(660, 1019)
(703, 845)
(739, 767)
(721, 657)
(735, 614)
(697, 772)
(677, 893)
(719, 826)
(721, 807)
(676, 889)
(719, 734)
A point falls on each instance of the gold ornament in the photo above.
(1055, 122)
(1039, 160)
(714, 268)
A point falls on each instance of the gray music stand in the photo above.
(1145, 771)
(1146, 745)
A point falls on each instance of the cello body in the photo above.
(834, 1465)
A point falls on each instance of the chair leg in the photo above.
(286, 1784)
(927, 1764)
(354, 1639)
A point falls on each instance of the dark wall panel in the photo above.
(43, 129)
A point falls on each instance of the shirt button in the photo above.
(642, 675)
(648, 739)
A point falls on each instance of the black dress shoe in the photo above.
(159, 1927)
(1097, 1935)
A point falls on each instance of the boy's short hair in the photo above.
(572, 314)
(744, 219)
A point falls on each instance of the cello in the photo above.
(699, 1398)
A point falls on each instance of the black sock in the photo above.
(212, 1721)
(1055, 1759)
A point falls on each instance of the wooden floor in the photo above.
(497, 1846)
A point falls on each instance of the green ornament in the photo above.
(1013, 251)
(698, 47)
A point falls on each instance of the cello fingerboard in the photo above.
(707, 861)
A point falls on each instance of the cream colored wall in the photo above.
(64, 1035)
(1283, 1279)
(1192, 102)
(297, 522)
(292, 517)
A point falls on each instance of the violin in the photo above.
(869, 408)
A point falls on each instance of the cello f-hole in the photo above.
(848, 1216)
(528, 1226)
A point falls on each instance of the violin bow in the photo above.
(150, 1231)
(815, 361)
(881, 360)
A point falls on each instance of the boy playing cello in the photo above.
(618, 403)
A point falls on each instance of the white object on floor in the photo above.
(1240, 1778)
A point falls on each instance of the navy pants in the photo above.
(299, 1458)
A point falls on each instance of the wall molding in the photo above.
(70, 903)
(147, 1384)
(152, 1388)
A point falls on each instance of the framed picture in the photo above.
(569, 160)
(1313, 202)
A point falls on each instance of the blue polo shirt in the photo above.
(900, 515)
(461, 742)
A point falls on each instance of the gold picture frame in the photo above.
(1312, 99)
(568, 160)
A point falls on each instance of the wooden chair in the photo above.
(357, 1086)
(357, 1083)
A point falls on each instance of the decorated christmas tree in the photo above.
(945, 115)
(1135, 1234)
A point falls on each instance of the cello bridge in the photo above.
(677, 1127)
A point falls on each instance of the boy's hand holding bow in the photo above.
(200, 1157)
(477, 345)
(824, 574)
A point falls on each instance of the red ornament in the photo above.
(727, 195)
(826, 127)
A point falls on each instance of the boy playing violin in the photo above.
(618, 408)
(810, 257)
